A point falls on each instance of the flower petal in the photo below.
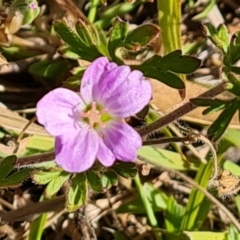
(56, 110)
(76, 151)
(123, 140)
(131, 96)
(105, 155)
(92, 76)
(111, 81)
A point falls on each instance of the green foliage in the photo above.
(78, 192)
(28, 9)
(10, 178)
(163, 68)
(116, 38)
(82, 40)
(54, 178)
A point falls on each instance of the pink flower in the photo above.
(33, 5)
(90, 125)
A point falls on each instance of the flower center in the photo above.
(95, 116)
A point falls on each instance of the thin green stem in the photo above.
(93, 10)
(147, 205)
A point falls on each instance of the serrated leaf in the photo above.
(44, 177)
(109, 179)
(54, 186)
(77, 194)
(117, 34)
(94, 180)
(141, 36)
(15, 179)
(221, 123)
(7, 165)
(125, 169)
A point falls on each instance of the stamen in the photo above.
(94, 116)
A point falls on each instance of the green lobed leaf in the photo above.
(125, 169)
(56, 183)
(108, 179)
(178, 63)
(15, 179)
(78, 193)
(6, 165)
(94, 180)
(219, 37)
(167, 78)
(44, 177)
(141, 36)
(77, 45)
(221, 123)
(117, 35)
(87, 33)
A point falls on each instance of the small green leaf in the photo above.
(235, 87)
(76, 41)
(125, 169)
(56, 183)
(87, 33)
(94, 180)
(206, 102)
(141, 36)
(233, 233)
(109, 179)
(219, 37)
(117, 34)
(235, 48)
(44, 177)
(77, 194)
(15, 179)
(221, 123)
(6, 165)
(178, 63)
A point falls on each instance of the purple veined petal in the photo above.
(56, 110)
(92, 76)
(76, 151)
(105, 155)
(131, 96)
(112, 80)
(123, 140)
